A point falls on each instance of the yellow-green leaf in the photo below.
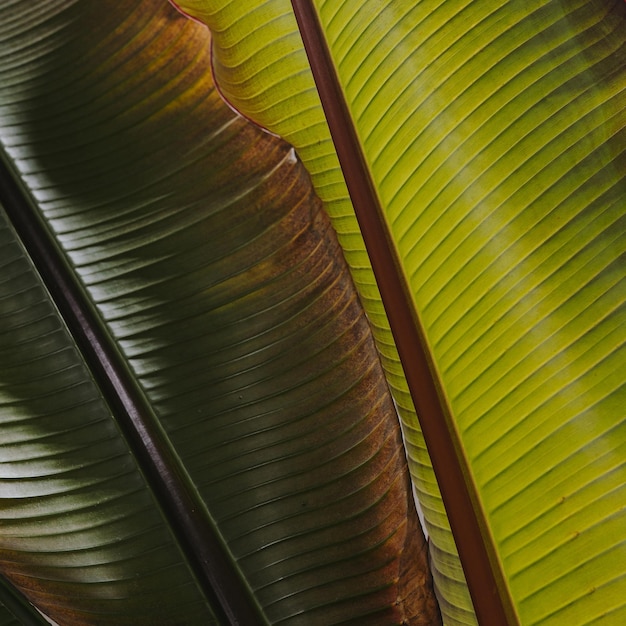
(494, 136)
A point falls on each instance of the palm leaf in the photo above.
(196, 427)
(493, 137)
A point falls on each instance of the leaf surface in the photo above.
(201, 255)
(494, 136)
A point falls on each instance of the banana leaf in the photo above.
(195, 425)
(280, 94)
(490, 142)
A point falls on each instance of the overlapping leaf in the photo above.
(79, 531)
(262, 69)
(207, 258)
(495, 138)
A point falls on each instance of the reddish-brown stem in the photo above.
(485, 581)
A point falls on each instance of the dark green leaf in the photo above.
(203, 259)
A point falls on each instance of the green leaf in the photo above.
(494, 137)
(79, 525)
(184, 350)
(280, 94)
(510, 226)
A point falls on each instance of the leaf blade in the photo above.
(200, 312)
(256, 90)
(533, 91)
(424, 238)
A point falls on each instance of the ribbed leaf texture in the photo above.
(494, 137)
(279, 93)
(203, 257)
(506, 204)
(78, 526)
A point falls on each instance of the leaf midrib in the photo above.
(190, 522)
